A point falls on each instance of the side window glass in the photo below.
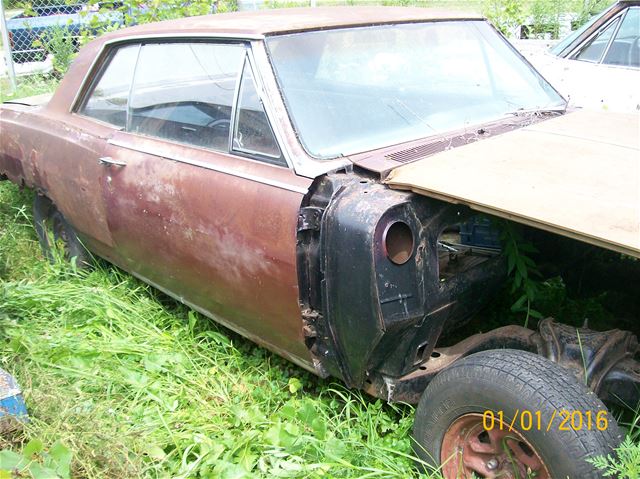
(625, 49)
(184, 92)
(593, 50)
(108, 100)
(253, 133)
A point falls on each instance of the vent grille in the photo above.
(442, 144)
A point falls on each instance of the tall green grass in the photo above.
(134, 384)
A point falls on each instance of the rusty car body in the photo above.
(330, 250)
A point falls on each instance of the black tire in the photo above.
(513, 381)
(51, 224)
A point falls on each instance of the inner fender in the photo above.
(378, 316)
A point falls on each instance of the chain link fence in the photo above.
(40, 40)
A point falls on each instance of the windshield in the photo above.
(358, 89)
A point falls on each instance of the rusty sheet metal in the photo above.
(58, 157)
(577, 175)
(215, 231)
(266, 22)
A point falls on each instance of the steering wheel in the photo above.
(219, 123)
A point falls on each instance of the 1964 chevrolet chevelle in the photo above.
(301, 176)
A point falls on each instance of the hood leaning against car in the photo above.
(577, 175)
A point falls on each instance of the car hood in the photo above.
(577, 175)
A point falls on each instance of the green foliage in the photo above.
(37, 85)
(142, 11)
(59, 42)
(522, 269)
(624, 464)
(36, 462)
(587, 9)
(506, 15)
(545, 18)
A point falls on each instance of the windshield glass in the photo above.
(358, 89)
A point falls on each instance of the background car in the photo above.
(29, 30)
(598, 65)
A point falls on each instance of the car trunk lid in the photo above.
(577, 175)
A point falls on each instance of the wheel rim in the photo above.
(467, 449)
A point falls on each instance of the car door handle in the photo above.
(107, 160)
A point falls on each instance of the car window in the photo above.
(593, 50)
(184, 92)
(560, 47)
(253, 133)
(351, 90)
(108, 100)
(625, 48)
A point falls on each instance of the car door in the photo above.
(201, 202)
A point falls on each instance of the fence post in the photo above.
(6, 48)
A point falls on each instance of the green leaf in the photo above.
(192, 320)
(511, 262)
(155, 452)
(33, 447)
(535, 314)
(319, 427)
(517, 306)
(521, 268)
(294, 385)
(39, 471)
(10, 460)
(61, 456)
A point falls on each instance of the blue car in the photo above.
(25, 29)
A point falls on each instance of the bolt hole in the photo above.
(435, 354)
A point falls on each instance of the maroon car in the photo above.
(313, 179)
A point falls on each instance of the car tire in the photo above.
(51, 224)
(449, 431)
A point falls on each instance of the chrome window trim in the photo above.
(235, 114)
(269, 91)
(86, 81)
(617, 17)
(93, 69)
(127, 120)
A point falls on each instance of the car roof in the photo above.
(290, 20)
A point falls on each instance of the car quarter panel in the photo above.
(58, 156)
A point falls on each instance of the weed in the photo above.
(625, 464)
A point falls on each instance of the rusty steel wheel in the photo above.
(468, 449)
(451, 430)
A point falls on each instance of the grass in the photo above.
(133, 384)
(27, 86)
